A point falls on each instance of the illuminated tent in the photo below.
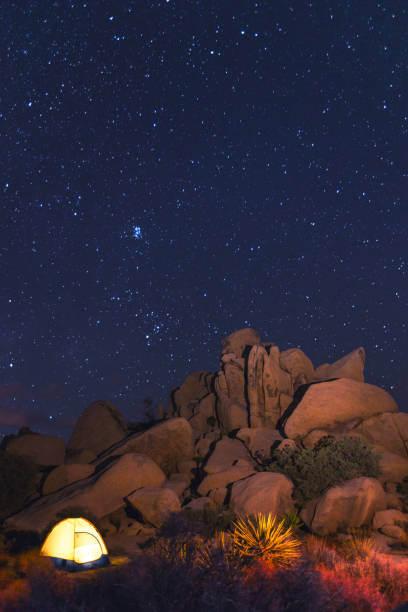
(74, 544)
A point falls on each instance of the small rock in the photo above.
(226, 452)
(154, 504)
(199, 504)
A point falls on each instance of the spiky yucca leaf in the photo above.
(264, 538)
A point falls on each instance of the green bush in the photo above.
(330, 463)
(18, 477)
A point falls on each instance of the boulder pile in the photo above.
(212, 444)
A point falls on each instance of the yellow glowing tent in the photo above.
(75, 544)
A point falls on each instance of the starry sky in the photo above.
(174, 170)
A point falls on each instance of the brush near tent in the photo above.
(75, 544)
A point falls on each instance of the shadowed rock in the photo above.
(167, 443)
(41, 449)
(98, 427)
(99, 494)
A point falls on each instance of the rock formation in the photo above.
(216, 440)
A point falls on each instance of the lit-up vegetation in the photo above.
(262, 537)
(238, 569)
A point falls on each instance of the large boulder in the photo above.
(259, 440)
(298, 365)
(265, 492)
(154, 504)
(43, 450)
(349, 366)
(167, 443)
(64, 475)
(226, 453)
(388, 431)
(325, 405)
(238, 340)
(351, 504)
(99, 494)
(220, 480)
(100, 426)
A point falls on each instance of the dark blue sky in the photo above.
(173, 171)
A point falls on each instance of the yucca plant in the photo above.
(262, 537)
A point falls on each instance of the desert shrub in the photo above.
(217, 518)
(263, 537)
(18, 477)
(292, 519)
(183, 525)
(205, 523)
(329, 463)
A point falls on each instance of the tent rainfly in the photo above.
(75, 544)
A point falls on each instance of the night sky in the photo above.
(173, 171)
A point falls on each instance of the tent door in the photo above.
(86, 548)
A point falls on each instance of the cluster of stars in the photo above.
(175, 171)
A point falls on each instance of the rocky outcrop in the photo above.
(154, 504)
(325, 405)
(100, 426)
(349, 366)
(167, 443)
(351, 504)
(218, 440)
(99, 494)
(43, 450)
(265, 492)
(64, 475)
